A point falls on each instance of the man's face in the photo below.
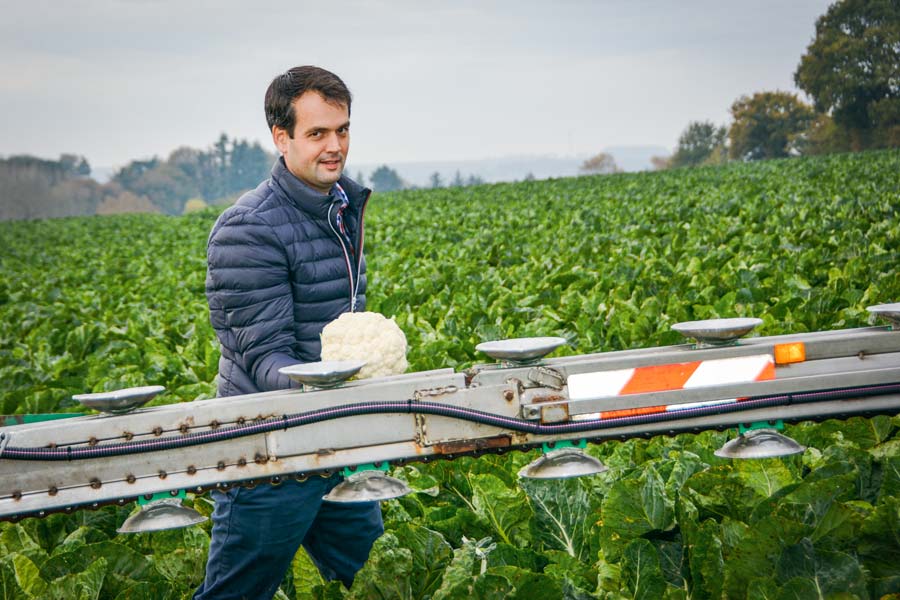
(317, 152)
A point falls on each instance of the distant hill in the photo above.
(506, 168)
(510, 168)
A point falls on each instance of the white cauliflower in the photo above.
(368, 336)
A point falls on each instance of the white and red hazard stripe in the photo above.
(638, 380)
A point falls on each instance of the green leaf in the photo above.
(125, 566)
(814, 496)
(641, 572)
(564, 511)
(763, 589)
(430, 556)
(122, 560)
(105, 520)
(841, 524)
(330, 590)
(706, 561)
(14, 538)
(386, 574)
(719, 492)
(831, 572)
(855, 432)
(528, 585)
(458, 576)
(887, 450)
(144, 590)
(506, 509)
(754, 549)
(85, 585)
(457, 523)
(568, 570)
(890, 477)
(180, 555)
(305, 573)
(684, 465)
(886, 588)
(9, 586)
(525, 558)
(79, 538)
(764, 476)
(672, 559)
(63, 563)
(48, 532)
(634, 507)
(489, 586)
(798, 588)
(28, 576)
(878, 542)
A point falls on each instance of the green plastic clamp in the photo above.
(142, 500)
(778, 426)
(382, 466)
(546, 447)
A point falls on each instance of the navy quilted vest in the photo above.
(277, 274)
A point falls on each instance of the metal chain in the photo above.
(547, 377)
(437, 391)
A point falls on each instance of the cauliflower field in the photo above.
(607, 262)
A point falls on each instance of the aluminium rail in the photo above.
(89, 461)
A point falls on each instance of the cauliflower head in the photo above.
(368, 336)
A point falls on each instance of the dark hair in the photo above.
(290, 85)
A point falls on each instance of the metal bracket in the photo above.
(547, 377)
(384, 467)
(777, 425)
(517, 383)
(549, 447)
(180, 494)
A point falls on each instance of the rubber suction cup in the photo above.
(760, 443)
(367, 486)
(562, 464)
(717, 332)
(158, 515)
(119, 402)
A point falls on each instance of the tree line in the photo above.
(850, 71)
(386, 179)
(189, 178)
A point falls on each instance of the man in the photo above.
(284, 261)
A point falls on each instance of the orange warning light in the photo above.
(793, 352)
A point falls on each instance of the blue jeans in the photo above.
(256, 533)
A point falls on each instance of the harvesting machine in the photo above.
(523, 400)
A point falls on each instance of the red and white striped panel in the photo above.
(742, 369)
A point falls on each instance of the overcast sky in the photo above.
(116, 80)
